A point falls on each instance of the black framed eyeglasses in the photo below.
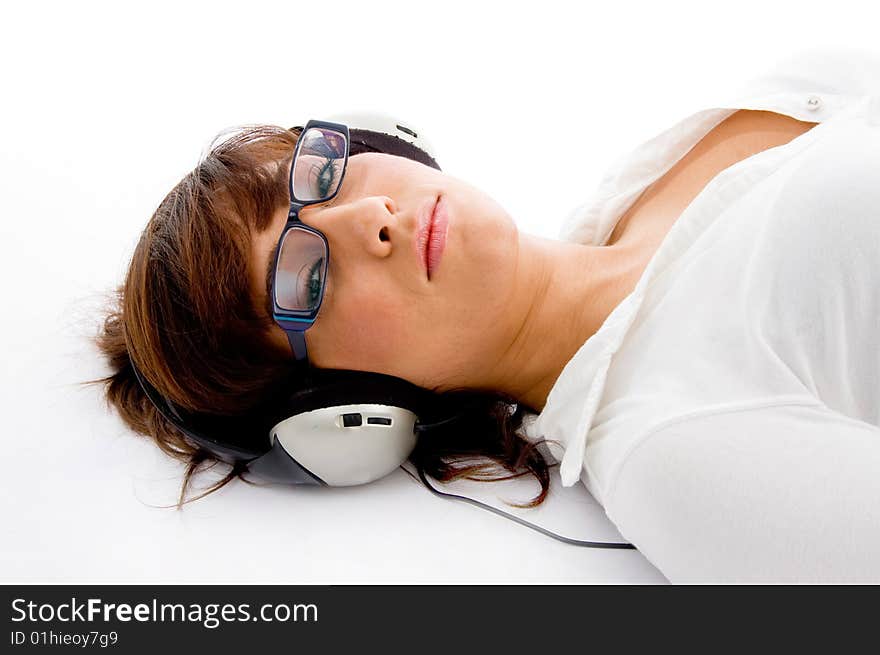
(302, 257)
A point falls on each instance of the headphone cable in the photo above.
(568, 540)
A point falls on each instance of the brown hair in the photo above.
(186, 315)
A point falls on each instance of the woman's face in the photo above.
(380, 311)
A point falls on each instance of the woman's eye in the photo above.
(324, 177)
(311, 284)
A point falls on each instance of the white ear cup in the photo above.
(387, 124)
(349, 455)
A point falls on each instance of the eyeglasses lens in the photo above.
(301, 270)
(318, 167)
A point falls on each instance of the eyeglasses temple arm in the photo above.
(297, 341)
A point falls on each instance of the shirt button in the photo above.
(813, 102)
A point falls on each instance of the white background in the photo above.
(106, 106)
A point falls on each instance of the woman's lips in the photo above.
(431, 234)
(437, 236)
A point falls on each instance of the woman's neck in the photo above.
(565, 292)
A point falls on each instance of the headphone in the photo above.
(341, 427)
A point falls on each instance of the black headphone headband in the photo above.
(390, 144)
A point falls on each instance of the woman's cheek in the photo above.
(365, 336)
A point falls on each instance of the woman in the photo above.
(629, 342)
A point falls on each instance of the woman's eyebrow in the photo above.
(270, 270)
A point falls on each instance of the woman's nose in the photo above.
(363, 224)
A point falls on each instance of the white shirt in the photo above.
(761, 304)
